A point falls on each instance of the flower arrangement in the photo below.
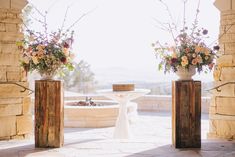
(189, 49)
(47, 54)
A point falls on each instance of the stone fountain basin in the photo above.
(95, 116)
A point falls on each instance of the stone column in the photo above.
(222, 107)
(15, 116)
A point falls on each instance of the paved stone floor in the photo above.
(151, 137)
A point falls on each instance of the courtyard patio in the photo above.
(151, 137)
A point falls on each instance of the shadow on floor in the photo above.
(71, 130)
(29, 149)
(208, 149)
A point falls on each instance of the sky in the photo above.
(117, 34)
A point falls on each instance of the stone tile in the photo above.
(151, 137)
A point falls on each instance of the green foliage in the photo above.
(81, 79)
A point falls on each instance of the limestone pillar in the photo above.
(222, 107)
(15, 116)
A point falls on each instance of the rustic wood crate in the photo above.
(49, 113)
(186, 114)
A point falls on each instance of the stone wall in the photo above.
(15, 116)
(156, 103)
(222, 108)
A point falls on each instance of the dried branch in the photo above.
(162, 25)
(169, 13)
(184, 19)
(196, 19)
(80, 18)
(65, 16)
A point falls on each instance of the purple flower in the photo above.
(216, 47)
(205, 31)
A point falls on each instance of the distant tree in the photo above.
(82, 79)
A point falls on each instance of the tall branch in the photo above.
(80, 18)
(169, 13)
(196, 19)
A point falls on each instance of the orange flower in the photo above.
(35, 60)
(194, 61)
(184, 63)
(66, 51)
(174, 55)
(207, 52)
(198, 49)
(184, 58)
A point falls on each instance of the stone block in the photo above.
(222, 49)
(225, 129)
(3, 15)
(11, 27)
(2, 27)
(10, 109)
(18, 137)
(14, 76)
(226, 22)
(5, 4)
(10, 36)
(225, 105)
(12, 90)
(12, 20)
(8, 126)
(16, 4)
(226, 90)
(228, 39)
(7, 48)
(226, 60)
(227, 13)
(27, 106)
(14, 68)
(11, 15)
(227, 28)
(9, 59)
(229, 47)
(3, 74)
(227, 74)
(223, 5)
(10, 101)
(24, 124)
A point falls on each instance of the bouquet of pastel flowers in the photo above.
(188, 49)
(48, 54)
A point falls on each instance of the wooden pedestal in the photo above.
(49, 113)
(186, 114)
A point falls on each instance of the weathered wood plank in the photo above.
(49, 113)
(186, 114)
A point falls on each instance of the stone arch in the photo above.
(15, 114)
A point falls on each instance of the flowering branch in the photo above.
(196, 19)
(189, 49)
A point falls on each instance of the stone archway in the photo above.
(15, 113)
(222, 108)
